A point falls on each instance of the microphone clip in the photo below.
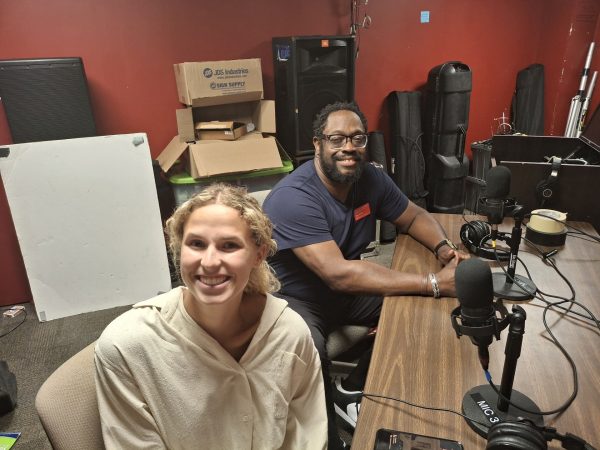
(497, 209)
(492, 328)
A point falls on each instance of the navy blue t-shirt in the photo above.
(303, 212)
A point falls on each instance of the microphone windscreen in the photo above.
(498, 182)
(474, 285)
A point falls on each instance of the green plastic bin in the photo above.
(258, 182)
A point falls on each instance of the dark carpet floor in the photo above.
(33, 351)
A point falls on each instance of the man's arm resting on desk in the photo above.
(359, 276)
(422, 226)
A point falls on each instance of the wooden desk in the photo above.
(418, 358)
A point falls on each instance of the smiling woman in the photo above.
(220, 360)
(257, 224)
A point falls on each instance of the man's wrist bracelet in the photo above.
(434, 285)
(447, 242)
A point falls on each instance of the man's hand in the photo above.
(423, 227)
(447, 254)
(445, 277)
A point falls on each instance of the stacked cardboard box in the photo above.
(226, 125)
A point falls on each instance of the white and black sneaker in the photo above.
(347, 404)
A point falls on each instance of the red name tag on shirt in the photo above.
(361, 212)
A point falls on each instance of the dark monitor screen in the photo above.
(46, 99)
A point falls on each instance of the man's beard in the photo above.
(332, 172)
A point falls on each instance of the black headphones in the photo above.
(475, 233)
(524, 435)
(546, 189)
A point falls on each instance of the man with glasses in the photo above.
(324, 216)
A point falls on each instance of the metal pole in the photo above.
(573, 112)
(577, 101)
(586, 103)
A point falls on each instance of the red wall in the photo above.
(570, 27)
(128, 48)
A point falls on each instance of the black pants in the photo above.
(322, 318)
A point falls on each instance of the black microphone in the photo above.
(497, 189)
(475, 292)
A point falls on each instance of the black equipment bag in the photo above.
(376, 151)
(8, 389)
(405, 123)
(527, 107)
(445, 123)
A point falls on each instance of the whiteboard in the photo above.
(88, 222)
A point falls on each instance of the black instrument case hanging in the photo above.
(445, 123)
(405, 124)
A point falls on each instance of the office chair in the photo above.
(345, 344)
(67, 405)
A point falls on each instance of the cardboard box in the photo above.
(185, 125)
(205, 158)
(224, 131)
(219, 82)
(258, 115)
(209, 158)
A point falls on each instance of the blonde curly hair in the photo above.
(262, 278)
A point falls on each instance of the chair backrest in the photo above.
(67, 404)
(344, 338)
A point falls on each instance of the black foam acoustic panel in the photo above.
(46, 99)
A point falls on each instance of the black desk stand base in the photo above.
(480, 405)
(522, 289)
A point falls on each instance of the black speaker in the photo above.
(301, 159)
(46, 99)
(310, 73)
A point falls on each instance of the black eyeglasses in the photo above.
(358, 140)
